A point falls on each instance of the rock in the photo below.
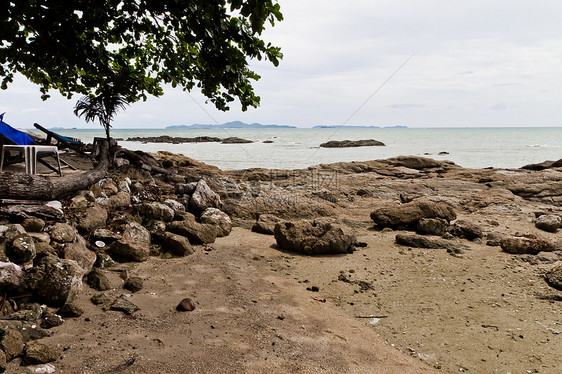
(526, 245)
(39, 353)
(156, 211)
(265, 224)
(105, 235)
(51, 320)
(135, 244)
(351, 143)
(465, 229)
(56, 281)
(196, 233)
(119, 200)
(70, 310)
(314, 237)
(121, 304)
(235, 140)
(22, 249)
(11, 277)
(13, 231)
(94, 218)
(98, 280)
(27, 312)
(79, 202)
(409, 213)
(133, 284)
(104, 261)
(63, 233)
(175, 205)
(177, 244)
(549, 257)
(12, 344)
(3, 361)
(203, 197)
(415, 162)
(108, 186)
(100, 299)
(40, 237)
(33, 224)
(493, 239)
(432, 226)
(186, 305)
(44, 248)
(554, 277)
(420, 241)
(185, 188)
(214, 216)
(78, 252)
(28, 330)
(548, 222)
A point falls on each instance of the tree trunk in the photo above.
(37, 187)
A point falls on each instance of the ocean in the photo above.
(299, 148)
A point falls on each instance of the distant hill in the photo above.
(229, 125)
(357, 127)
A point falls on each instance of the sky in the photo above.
(436, 63)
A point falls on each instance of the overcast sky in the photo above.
(475, 63)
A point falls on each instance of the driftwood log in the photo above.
(141, 160)
(37, 187)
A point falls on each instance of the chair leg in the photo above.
(58, 162)
(1, 158)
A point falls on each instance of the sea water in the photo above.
(296, 148)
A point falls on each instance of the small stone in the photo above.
(79, 202)
(548, 222)
(554, 277)
(133, 284)
(98, 280)
(63, 233)
(186, 305)
(50, 320)
(33, 224)
(266, 224)
(12, 344)
(100, 299)
(177, 244)
(22, 249)
(70, 311)
(121, 304)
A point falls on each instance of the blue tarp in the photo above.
(18, 137)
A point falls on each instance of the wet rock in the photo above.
(56, 281)
(39, 353)
(177, 244)
(94, 218)
(78, 252)
(121, 304)
(266, 224)
(12, 344)
(33, 224)
(409, 213)
(314, 237)
(11, 277)
(526, 245)
(133, 284)
(186, 305)
(196, 233)
(98, 280)
(351, 143)
(22, 249)
(63, 233)
(548, 222)
(554, 277)
(465, 229)
(214, 216)
(135, 244)
(70, 310)
(51, 320)
(203, 197)
(156, 211)
(432, 226)
(420, 241)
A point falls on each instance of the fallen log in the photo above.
(37, 187)
(22, 212)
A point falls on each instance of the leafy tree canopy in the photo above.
(135, 46)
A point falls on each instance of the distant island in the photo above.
(357, 127)
(230, 125)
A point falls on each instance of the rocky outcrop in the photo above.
(314, 237)
(351, 143)
(410, 213)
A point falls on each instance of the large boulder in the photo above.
(55, 281)
(548, 222)
(156, 211)
(214, 216)
(203, 197)
(526, 245)
(314, 237)
(95, 217)
(265, 224)
(134, 245)
(554, 276)
(409, 213)
(197, 233)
